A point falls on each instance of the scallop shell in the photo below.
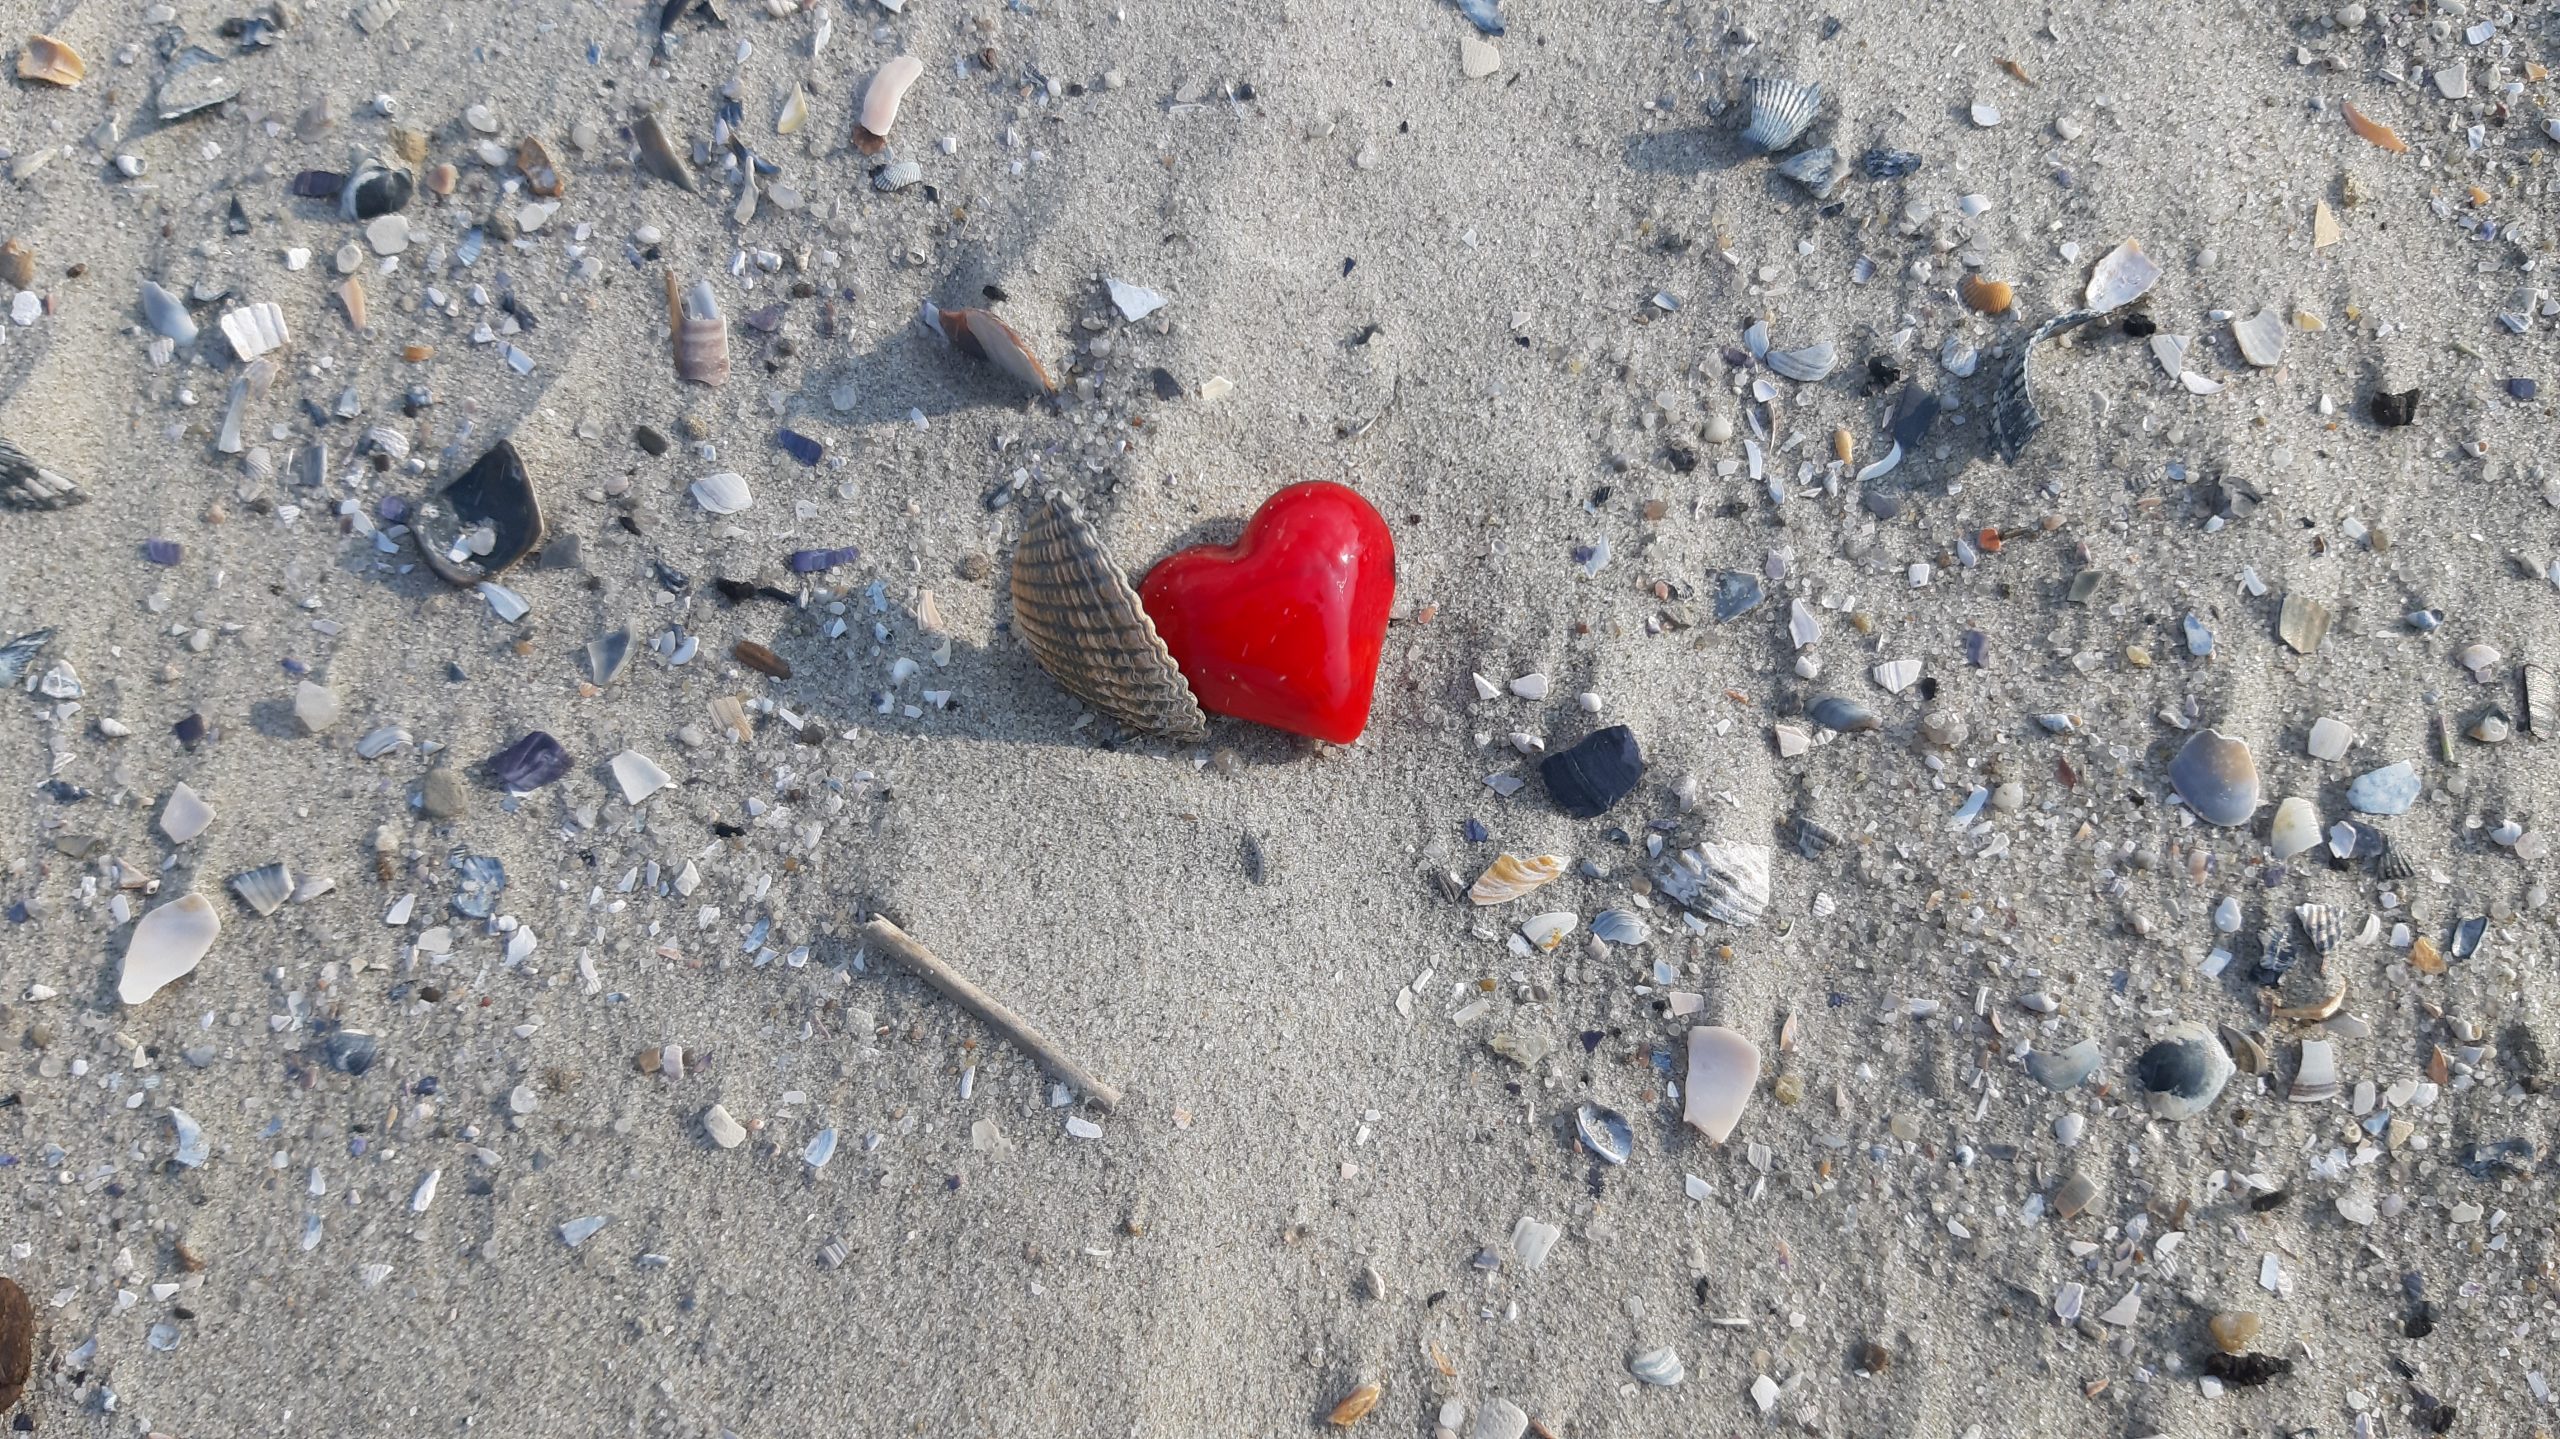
(2122, 276)
(1818, 170)
(1780, 109)
(1723, 881)
(495, 493)
(1605, 1132)
(264, 889)
(702, 337)
(1724, 1069)
(2014, 419)
(1510, 876)
(259, 464)
(51, 61)
(880, 102)
(1077, 610)
(384, 440)
(167, 944)
(2390, 862)
(26, 485)
(981, 335)
(2276, 954)
(1986, 297)
(255, 329)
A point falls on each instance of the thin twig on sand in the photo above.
(901, 946)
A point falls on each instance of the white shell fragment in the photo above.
(880, 99)
(724, 1129)
(1135, 302)
(723, 493)
(1724, 1068)
(2122, 277)
(255, 330)
(638, 776)
(2261, 338)
(167, 944)
(185, 815)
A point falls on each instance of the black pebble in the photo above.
(2245, 1370)
(2141, 326)
(1167, 387)
(2393, 411)
(649, 440)
(1587, 779)
(1883, 372)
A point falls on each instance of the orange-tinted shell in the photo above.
(1081, 617)
(980, 334)
(2372, 129)
(1355, 1406)
(17, 1341)
(1990, 297)
(51, 61)
(542, 174)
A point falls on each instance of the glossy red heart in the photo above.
(1284, 626)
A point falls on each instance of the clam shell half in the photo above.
(1082, 618)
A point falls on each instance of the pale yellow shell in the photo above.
(1082, 619)
(1510, 876)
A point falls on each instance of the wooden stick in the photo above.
(901, 946)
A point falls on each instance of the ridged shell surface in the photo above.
(1723, 881)
(1084, 624)
(1510, 876)
(1780, 109)
(2014, 420)
(264, 889)
(702, 336)
(26, 485)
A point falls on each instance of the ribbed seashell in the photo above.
(723, 492)
(1722, 880)
(1659, 1367)
(1987, 297)
(1806, 365)
(1724, 1069)
(2014, 419)
(981, 335)
(1810, 837)
(384, 440)
(702, 337)
(2541, 701)
(2276, 954)
(1605, 1132)
(2323, 926)
(1818, 170)
(1882, 163)
(167, 944)
(1082, 619)
(880, 102)
(259, 464)
(1779, 111)
(52, 62)
(2261, 338)
(264, 889)
(26, 485)
(255, 329)
(1621, 926)
(2390, 862)
(372, 15)
(2122, 276)
(1355, 1406)
(1510, 876)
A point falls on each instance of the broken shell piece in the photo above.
(2302, 622)
(1077, 610)
(2315, 1078)
(185, 815)
(795, 112)
(2247, 1051)
(542, 174)
(2067, 1070)
(1724, 1068)
(659, 154)
(722, 1127)
(2319, 1009)
(1355, 1406)
(638, 776)
(1660, 1368)
(492, 502)
(2123, 276)
(1723, 881)
(1818, 170)
(702, 337)
(195, 81)
(2323, 926)
(2075, 1196)
(167, 944)
(1806, 365)
(351, 295)
(1780, 109)
(1987, 297)
(1545, 931)
(2261, 338)
(255, 329)
(2183, 1073)
(981, 335)
(1605, 1132)
(1510, 876)
(2296, 828)
(2372, 129)
(378, 185)
(18, 263)
(264, 889)
(51, 61)
(2014, 417)
(26, 485)
(880, 102)
(2541, 701)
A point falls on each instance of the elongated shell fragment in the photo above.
(1510, 876)
(26, 485)
(880, 102)
(1780, 109)
(980, 335)
(1081, 617)
(702, 336)
(2014, 419)
(255, 329)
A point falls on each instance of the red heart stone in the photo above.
(1284, 626)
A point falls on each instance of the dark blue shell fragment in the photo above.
(529, 763)
(810, 562)
(807, 451)
(1587, 779)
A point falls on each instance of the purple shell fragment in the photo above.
(392, 509)
(810, 562)
(162, 552)
(1977, 648)
(768, 319)
(807, 451)
(529, 763)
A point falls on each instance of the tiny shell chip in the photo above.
(542, 174)
(1724, 1068)
(2371, 129)
(1728, 882)
(1510, 876)
(880, 102)
(1588, 779)
(2261, 338)
(1779, 111)
(51, 61)
(1076, 609)
(186, 815)
(255, 329)
(2183, 1073)
(2122, 276)
(167, 944)
(723, 492)
(2302, 622)
(1818, 170)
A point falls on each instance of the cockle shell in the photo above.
(264, 889)
(51, 61)
(1077, 610)
(1987, 297)
(255, 329)
(1723, 881)
(26, 485)
(495, 494)
(2014, 418)
(167, 944)
(1724, 1068)
(880, 102)
(702, 337)
(1510, 876)
(1779, 111)
(981, 335)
